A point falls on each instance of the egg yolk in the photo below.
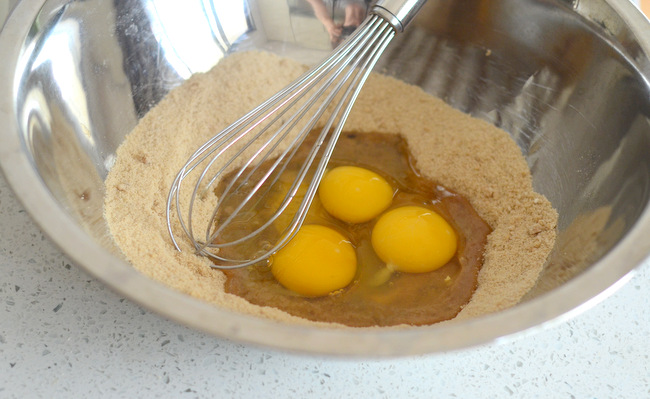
(413, 239)
(353, 194)
(317, 261)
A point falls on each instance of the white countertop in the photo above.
(64, 334)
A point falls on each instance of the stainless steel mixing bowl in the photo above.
(568, 79)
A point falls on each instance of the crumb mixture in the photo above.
(467, 155)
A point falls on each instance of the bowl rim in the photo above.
(571, 298)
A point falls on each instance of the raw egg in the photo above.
(413, 239)
(353, 194)
(317, 261)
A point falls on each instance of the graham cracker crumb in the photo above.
(464, 154)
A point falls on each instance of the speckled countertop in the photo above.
(63, 334)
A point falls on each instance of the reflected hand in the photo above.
(334, 31)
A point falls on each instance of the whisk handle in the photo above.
(398, 12)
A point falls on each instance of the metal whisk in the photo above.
(249, 159)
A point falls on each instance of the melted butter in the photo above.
(375, 297)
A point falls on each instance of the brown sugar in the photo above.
(469, 156)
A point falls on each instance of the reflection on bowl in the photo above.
(568, 80)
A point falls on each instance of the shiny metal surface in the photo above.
(399, 13)
(567, 79)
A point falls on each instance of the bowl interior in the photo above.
(567, 80)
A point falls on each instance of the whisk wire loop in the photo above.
(297, 141)
(224, 140)
(275, 134)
